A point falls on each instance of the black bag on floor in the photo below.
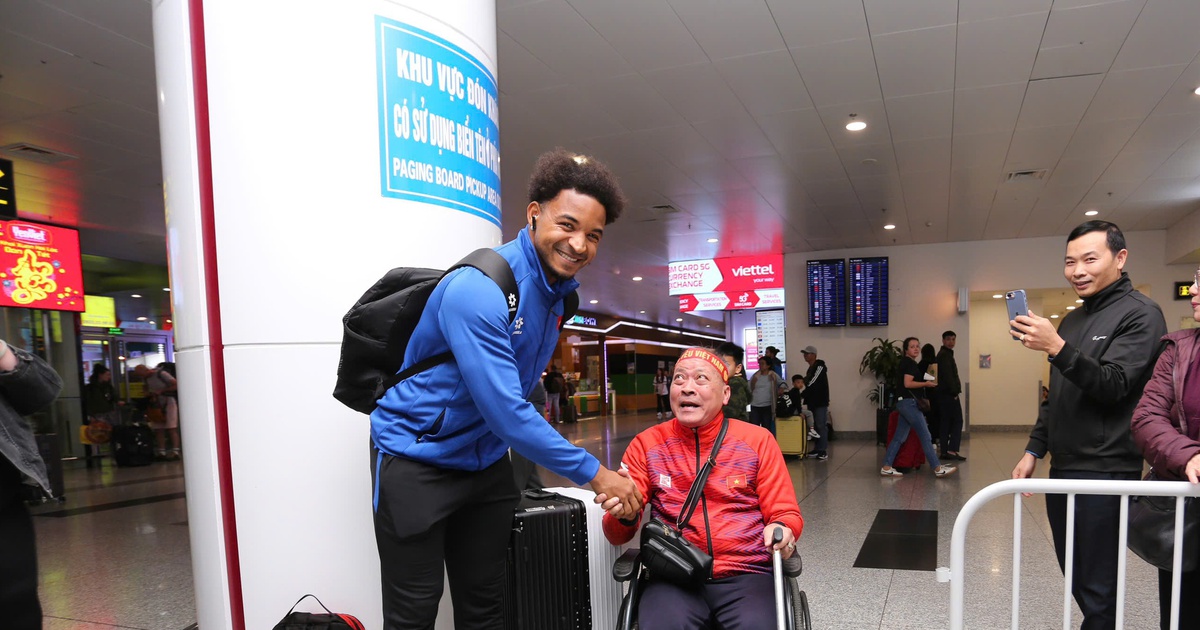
(317, 621)
(548, 585)
(568, 411)
(133, 445)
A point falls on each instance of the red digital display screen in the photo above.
(40, 267)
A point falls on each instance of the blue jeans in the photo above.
(911, 418)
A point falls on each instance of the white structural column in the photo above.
(307, 149)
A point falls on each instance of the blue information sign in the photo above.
(438, 122)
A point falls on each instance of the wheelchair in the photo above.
(791, 603)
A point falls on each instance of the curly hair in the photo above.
(559, 170)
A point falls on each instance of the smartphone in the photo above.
(1017, 305)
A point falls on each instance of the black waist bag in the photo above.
(317, 621)
(665, 552)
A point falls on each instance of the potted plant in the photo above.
(882, 360)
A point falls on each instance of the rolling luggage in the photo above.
(567, 409)
(606, 593)
(911, 456)
(133, 445)
(792, 434)
(548, 584)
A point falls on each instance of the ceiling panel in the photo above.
(886, 16)
(869, 160)
(978, 10)
(815, 166)
(981, 151)
(765, 84)
(657, 39)
(631, 101)
(998, 51)
(924, 155)
(839, 72)
(1101, 139)
(1057, 101)
(1163, 133)
(1132, 93)
(990, 108)
(915, 62)
(816, 22)
(921, 116)
(1084, 39)
(1038, 148)
(873, 113)
(1164, 34)
(1134, 166)
(796, 131)
(1181, 97)
(1183, 163)
(730, 29)
(519, 70)
(697, 92)
(576, 48)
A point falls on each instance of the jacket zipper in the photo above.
(703, 501)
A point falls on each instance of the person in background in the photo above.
(27, 384)
(100, 401)
(748, 496)
(816, 397)
(162, 394)
(662, 388)
(928, 364)
(795, 394)
(764, 387)
(553, 382)
(1166, 428)
(1101, 356)
(945, 400)
(773, 352)
(739, 388)
(912, 387)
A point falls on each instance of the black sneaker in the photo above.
(822, 456)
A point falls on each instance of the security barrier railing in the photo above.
(1070, 487)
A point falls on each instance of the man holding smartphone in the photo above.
(1101, 357)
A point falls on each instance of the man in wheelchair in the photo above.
(747, 496)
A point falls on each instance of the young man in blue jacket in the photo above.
(443, 484)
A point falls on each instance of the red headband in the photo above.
(700, 353)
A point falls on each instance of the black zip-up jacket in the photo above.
(948, 382)
(816, 385)
(1097, 379)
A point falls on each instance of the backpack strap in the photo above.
(494, 266)
(570, 307)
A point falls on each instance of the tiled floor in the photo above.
(116, 553)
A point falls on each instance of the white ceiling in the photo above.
(732, 112)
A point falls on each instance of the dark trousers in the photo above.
(664, 403)
(1096, 521)
(821, 424)
(428, 517)
(1189, 599)
(763, 417)
(950, 422)
(741, 602)
(18, 555)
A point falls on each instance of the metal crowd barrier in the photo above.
(1070, 487)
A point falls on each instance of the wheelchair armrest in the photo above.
(624, 567)
(793, 566)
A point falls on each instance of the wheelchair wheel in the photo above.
(800, 617)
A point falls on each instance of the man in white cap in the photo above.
(816, 397)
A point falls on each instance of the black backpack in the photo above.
(377, 328)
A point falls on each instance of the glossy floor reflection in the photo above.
(116, 553)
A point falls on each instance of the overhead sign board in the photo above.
(101, 312)
(439, 117)
(40, 267)
(714, 275)
(731, 300)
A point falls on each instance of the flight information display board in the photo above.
(869, 291)
(826, 280)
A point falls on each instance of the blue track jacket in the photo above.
(464, 414)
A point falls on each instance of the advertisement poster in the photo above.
(731, 301)
(725, 275)
(40, 267)
(439, 121)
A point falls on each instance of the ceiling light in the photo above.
(152, 321)
(142, 319)
(167, 320)
(593, 301)
(1091, 213)
(855, 125)
(678, 319)
(889, 227)
(1054, 317)
(1197, 91)
(135, 295)
(707, 326)
(1079, 301)
(1070, 308)
(997, 296)
(637, 278)
(712, 240)
(167, 289)
(642, 312)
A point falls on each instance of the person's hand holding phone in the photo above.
(1036, 333)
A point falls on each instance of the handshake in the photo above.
(617, 493)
